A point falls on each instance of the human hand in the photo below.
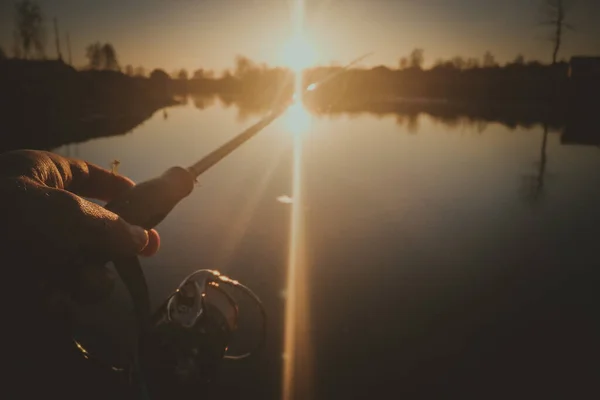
(51, 233)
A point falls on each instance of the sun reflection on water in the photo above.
(297, 120)
(297, 362)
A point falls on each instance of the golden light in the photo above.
(296, 119)
(297, 347)
(299, 53)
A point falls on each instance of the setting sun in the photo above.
(298, 53)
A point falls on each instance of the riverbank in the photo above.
(44, 104)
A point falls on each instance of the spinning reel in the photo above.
(185, 341)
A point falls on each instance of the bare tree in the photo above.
(554, 13)
(30, 35)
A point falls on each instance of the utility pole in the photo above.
(69, 49)
(57, 39)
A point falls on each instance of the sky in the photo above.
(208, 34)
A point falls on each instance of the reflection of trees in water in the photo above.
(410, 122)
(407, 113)
(533, 185)
(203, 102)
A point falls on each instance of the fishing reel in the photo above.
(181, 347)
(191, 333)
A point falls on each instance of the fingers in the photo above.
(55, 171)
(80, 226)
(89, 180)
(153, 244)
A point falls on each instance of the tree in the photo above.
(95, 55)
(226, 74)
(198, 74)
(139, 71)
(110, 57)
(489, 60)
(243, 67)
(159, 75)
(403, 63)
(417, 58)
(519, 60)
(554, 12)
(459, 62)
(182, 74)
(129, 70)
(30, 35)
(102, 56)
(472, 63)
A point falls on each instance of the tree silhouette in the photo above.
(129, 70)
(29, 34)
(554, 12)
(182, 74)
(489, 60)
(203, 74)
(519, 60)
(471, 63)
(459, 62)
(243, 67)
(95, 55)
(159, 75)
(110, 57)
(417, 58)
(139, 71)
(102, 56)
(403, 63)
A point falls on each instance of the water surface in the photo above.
(439, 259)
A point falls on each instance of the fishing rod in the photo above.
(149, 202)
(187, 321)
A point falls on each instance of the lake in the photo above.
(429, 258)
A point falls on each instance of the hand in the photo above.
(51, 233)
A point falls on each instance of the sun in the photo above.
(298, 53)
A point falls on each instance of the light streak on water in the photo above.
(297, 350)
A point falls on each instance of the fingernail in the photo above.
(139, 235)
